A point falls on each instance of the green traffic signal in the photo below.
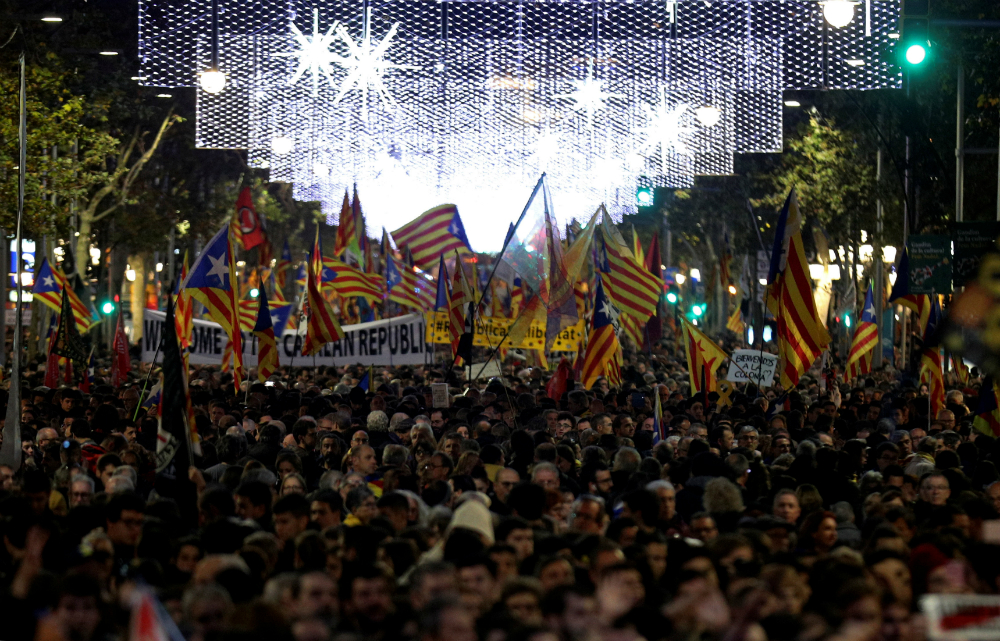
(644, 196)
(108, 307)
(847, 321)
(916, 53)
(698, 310)
(254, 293)
(672, 298)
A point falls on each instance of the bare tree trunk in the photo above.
(119, 184)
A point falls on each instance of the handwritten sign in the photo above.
(752, 366)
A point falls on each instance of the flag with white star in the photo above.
(48, 289)
(212, 281)
(602, 344)
(267, 348)
(865, 339)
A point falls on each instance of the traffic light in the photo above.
(108, 307)
(698, 309)
(644, 196)
(847, 320)
(672, 298)
(914, 43)
(254, 293)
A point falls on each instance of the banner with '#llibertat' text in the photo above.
(392, 341)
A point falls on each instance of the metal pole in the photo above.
(998, 179)
(960, 145)
(907, 173)
(879, 267)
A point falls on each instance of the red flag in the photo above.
(248, 227)
(557, 384)
(52, 371)
(121, 365)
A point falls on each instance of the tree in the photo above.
(113, 187)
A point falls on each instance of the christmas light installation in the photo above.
(433, 101)
(313, 53)
(367, 64)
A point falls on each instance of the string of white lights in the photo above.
(425, 102)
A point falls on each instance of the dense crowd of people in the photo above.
(317, 509)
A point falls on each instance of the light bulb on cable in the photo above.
(838, 13)
(282, 145)
(212, 80)
(708, 115)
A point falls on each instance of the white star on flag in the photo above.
(219, 268)
(47, 281)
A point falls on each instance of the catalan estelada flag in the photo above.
(321, 324)
(212, 282)
(402, 286)
(919, 304)
(350, 281)
(801, 335)
(603, 350)
(704, 357)
(987, 419)
(436, 231)
(931, 362)
(632, 288)
(267, 348)
(48, 289)
(865, 339)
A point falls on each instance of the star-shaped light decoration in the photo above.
(220, 268)
(313, 53)
(366, 64)
(589, 95)
(666, 130)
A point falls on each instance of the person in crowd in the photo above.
(527, 509)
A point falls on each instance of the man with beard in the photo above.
(366, 602)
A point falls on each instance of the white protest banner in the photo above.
(751, 366)
(392, 341)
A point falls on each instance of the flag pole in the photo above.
(510, 236)
(146, 382)
(10, 450)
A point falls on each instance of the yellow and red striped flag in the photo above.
(640, 256)
(801, 335)
(632, 288)
(227, 357)
(602, 356)
(347, 229)
(184, 309)
(267, 347)
(919, 304)
(212, 282)
(350, 281)
(48, 288)
(321, 323)
(865, 339)
(436, 231)
(405, 287)
(462, 297)
(704, 357)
